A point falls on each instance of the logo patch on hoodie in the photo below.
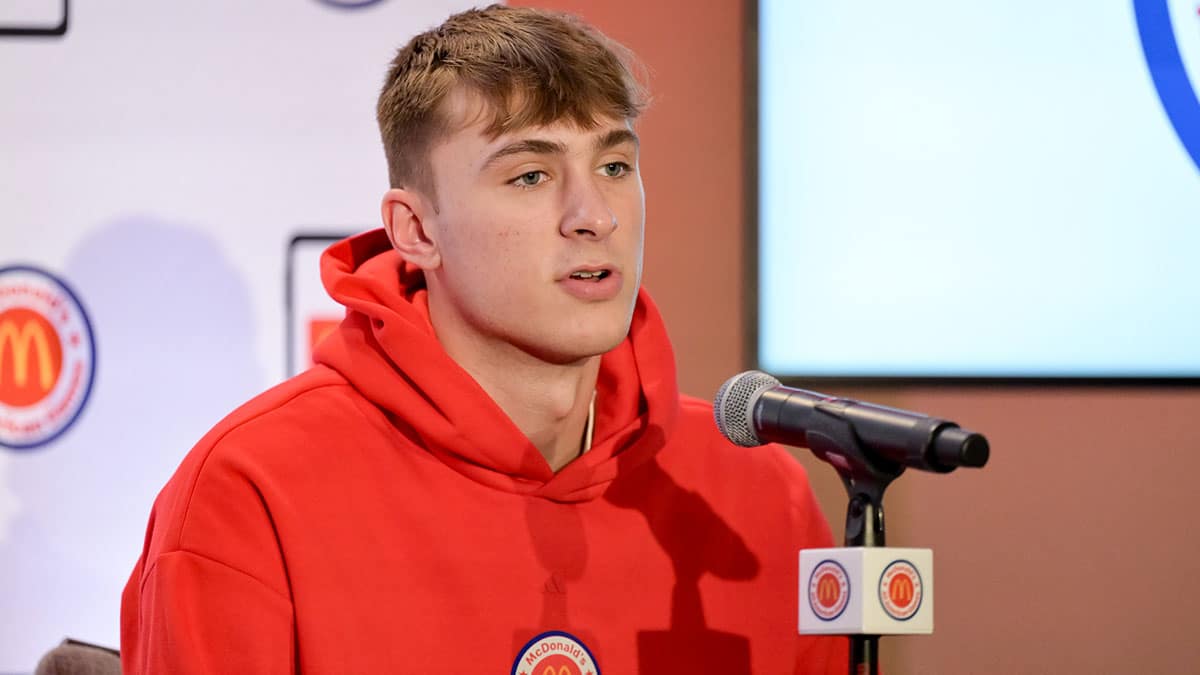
(555, 653)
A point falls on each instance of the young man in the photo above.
(490, 470)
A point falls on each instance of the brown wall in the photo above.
(1073, 551)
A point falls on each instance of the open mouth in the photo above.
(590, 276)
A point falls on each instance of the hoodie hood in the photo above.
(387, 350)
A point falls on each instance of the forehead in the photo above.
(471, 119)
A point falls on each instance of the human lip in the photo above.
(592, 282)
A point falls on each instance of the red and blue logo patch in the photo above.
(47, 357)
(555, 653)
(828, 590)
(901, 590)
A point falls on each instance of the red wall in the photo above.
(1073, 551)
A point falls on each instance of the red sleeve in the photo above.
(191, 614)
(210, 593)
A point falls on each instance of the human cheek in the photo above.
(628, 202)
(506, 256)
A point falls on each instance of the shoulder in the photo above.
(285, 422)
(299, 404)
(221, 485)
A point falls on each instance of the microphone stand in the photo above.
(865, 476)
(754, 407)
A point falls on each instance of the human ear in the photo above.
(404, 218)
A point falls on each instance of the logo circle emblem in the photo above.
(351, 4)
(1161, 44)
(47, 357)
(828, 590)
(900, 590)
(555, 653)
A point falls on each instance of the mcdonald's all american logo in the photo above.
(900, 590)
(555, 653)
(828, 590)
(47, 357)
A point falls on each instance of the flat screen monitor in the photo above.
(978, 190)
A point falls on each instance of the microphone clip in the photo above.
(864, 474)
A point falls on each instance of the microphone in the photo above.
(753, 408)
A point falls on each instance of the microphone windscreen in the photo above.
(733, 407)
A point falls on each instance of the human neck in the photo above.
(548, 402)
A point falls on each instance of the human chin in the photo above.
(584, 338)
(603, 333)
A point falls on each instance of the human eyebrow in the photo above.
(530, 145)
(617, 137)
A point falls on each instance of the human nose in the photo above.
(587, 212)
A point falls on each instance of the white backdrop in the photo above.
(159, 158)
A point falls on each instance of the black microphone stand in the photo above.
(865, 476)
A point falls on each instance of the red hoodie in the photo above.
(380, 514)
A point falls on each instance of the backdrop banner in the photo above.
(169, 172)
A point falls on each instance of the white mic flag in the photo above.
(866, 591)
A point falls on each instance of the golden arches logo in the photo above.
(902, 590)
(47, 357)
(829, 590)
(30, 357)
(562, 670)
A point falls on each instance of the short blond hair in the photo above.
(530, 67)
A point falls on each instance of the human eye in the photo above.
(529, 179)
(616, 169)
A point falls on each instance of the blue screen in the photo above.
(965, 189)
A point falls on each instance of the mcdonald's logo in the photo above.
(828, 590)
(47, 357)
(555, 653)
(900, 590)
(557, 664)
(30, 357)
